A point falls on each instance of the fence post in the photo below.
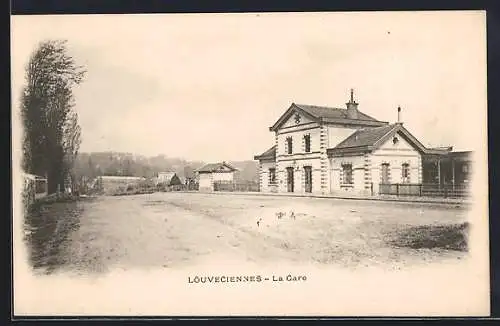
(46, 184)
(420, 190)
(397, 189)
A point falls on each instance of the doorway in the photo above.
(308, 178)
(289, 179)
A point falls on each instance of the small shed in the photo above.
(213, 173)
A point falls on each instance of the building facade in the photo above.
(210, 174)
(324, 150)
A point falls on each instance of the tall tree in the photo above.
(91, 173)
(51, 132)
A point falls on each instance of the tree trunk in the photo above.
(55, 178)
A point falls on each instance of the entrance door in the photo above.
(289, 179)
(308, 178)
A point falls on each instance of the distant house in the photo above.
(168, 179)
(213, 173)
(34, 187)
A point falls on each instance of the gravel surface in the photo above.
(177, 229)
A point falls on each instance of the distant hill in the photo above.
(247, 170)
(128, 164)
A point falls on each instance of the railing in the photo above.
(426, 190)
(192, 186)
(236, 186)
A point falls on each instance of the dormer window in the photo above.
(307, 143)
(289, 145)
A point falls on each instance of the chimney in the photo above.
(399, 115)
(352, 107)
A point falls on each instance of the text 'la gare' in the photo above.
(289, 278)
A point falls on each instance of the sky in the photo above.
(208, 86)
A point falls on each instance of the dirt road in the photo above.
(176, 229)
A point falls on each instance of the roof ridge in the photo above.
(378, 127)
(319, 106)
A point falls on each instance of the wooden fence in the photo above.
(189, 187)
(424, 190)
(236, 186)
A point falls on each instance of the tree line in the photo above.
(52, 135)
(126, 164)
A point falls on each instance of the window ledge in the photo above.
(347, 185)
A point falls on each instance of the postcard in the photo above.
(250, 164)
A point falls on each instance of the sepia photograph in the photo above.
(250, 164)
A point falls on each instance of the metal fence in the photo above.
(426, 190)
(236, 186)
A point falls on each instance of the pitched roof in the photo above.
(32, 176)
(331, 113)
(270, 154)
(367, 139)
(216, 167)
(327, 115)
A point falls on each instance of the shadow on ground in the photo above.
(47, 229)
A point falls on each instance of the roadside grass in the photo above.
(447, 237)
(47, 229)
